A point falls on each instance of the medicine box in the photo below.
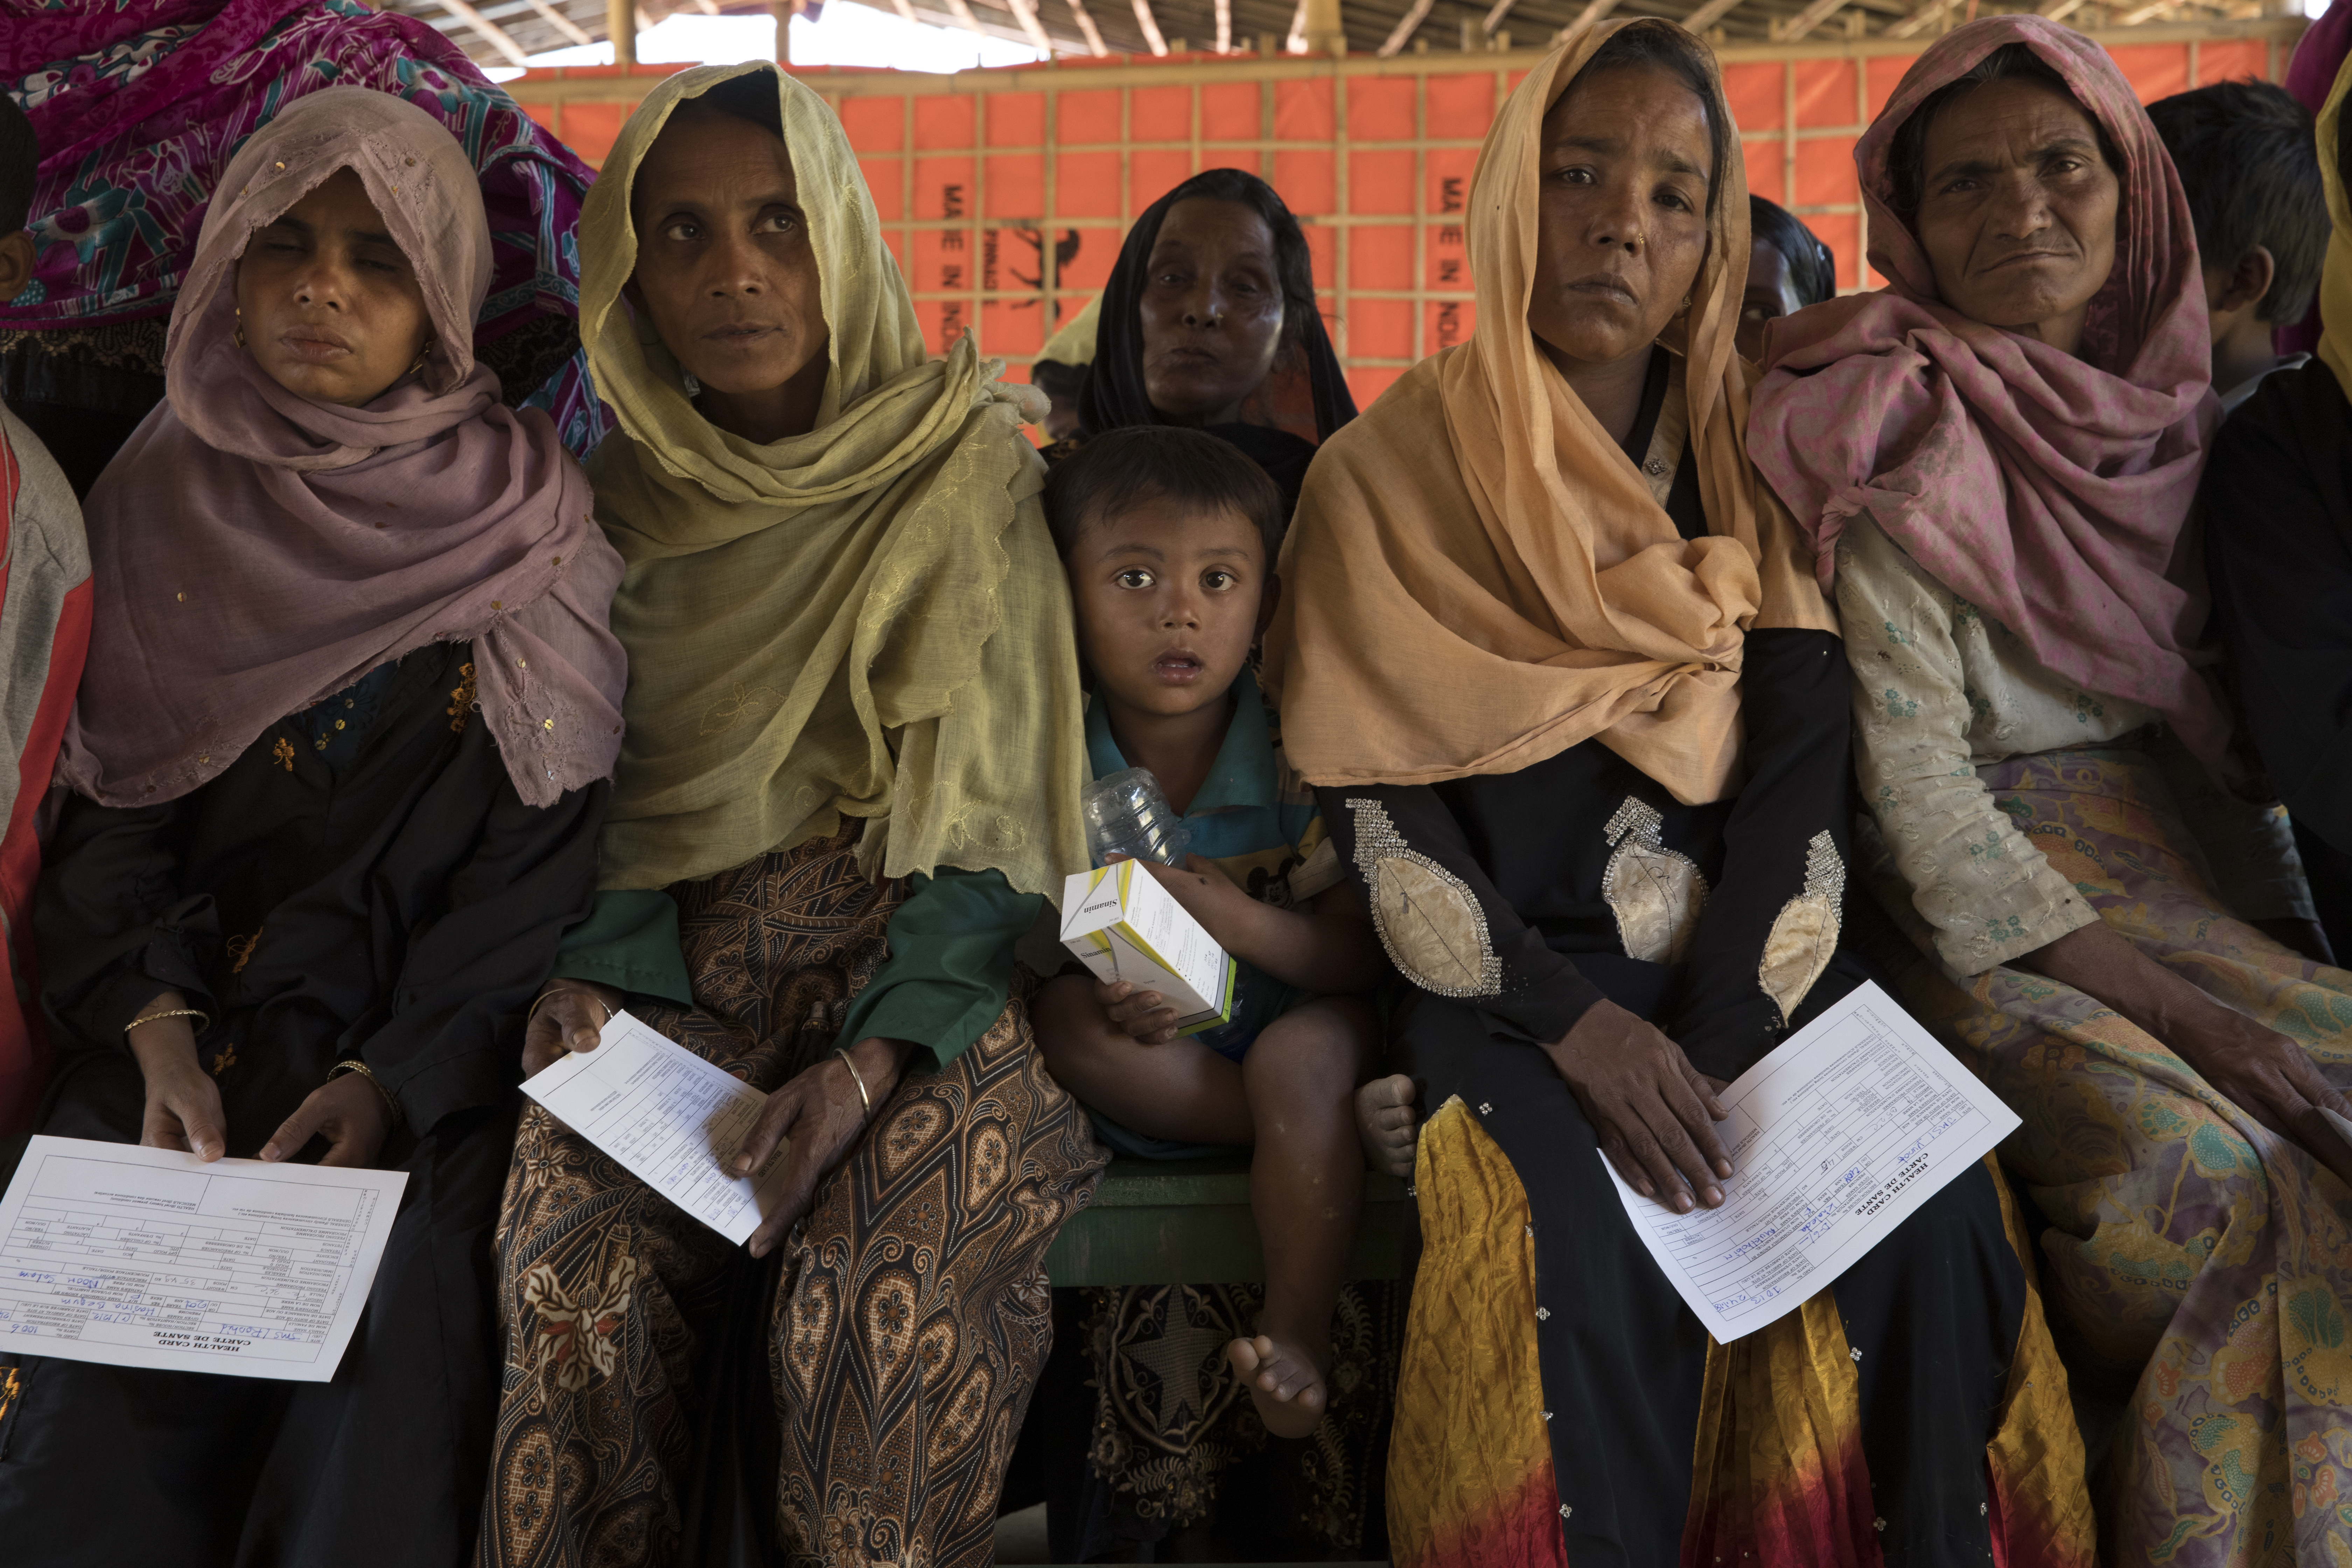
(1124, 925)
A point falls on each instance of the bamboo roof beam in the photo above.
(1403, 31)
(499, 37)
(1709, 12)
(1806, 20)
(1495, 17)
(1085, 22)
(1595, 12)
(1919, 20)
(1151, 26)
(1026, 13)
(560, 22)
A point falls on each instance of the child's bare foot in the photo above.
(1385, 1122)
(1285, 1386)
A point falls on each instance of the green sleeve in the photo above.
(629, 942)
(950, 963)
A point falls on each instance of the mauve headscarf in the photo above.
(253, 550)
(2050, 492)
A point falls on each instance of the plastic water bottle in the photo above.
(1126, 813)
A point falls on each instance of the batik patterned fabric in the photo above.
(1781, 1473)
(1173, 1420)
(911, 1315)
(2194, 1257)
(139, 105)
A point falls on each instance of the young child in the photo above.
(1169, 536)
(43, 632)
(2250, 165)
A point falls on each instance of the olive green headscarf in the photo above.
(865, 621)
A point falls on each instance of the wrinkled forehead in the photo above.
(707, 154)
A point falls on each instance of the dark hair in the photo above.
(1293, 263)
(1653, 41)
(1812, 270)
(754, 96)
(20, 163)
(1906, 160)
(2251, 168)
(1058, 381)
(1119, 469)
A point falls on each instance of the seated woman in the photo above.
(1996, 458)
(337, 765)
(854, 762)
(136, 105)
(1577, 711)
(1209, 321)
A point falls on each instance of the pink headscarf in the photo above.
(2049, 491)
(254, 552)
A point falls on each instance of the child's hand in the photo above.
(1148, 1020)
(1207, 894)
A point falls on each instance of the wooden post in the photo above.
(1325, 35)
(620, 27)
(783, 11)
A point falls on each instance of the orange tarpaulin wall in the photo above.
(1004, 193)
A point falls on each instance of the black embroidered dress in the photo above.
(362, 882)
(1624, 1362)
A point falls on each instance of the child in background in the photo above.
(2248, 162)
(43, 632)
(1169, 537)
(1788, 269)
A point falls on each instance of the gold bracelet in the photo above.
(174, 1012)
(547, 996)
(353, 1064)
(857, 1081)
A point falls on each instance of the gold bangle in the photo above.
(174, 1012)
(353, 1064)
(857, 1081)
(547, 996)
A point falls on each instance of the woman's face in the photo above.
(1622, 215)
(727, 274)
(1771, 294)
(1212, 312)
(329, 304)
(2017, 209)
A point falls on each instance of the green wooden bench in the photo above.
(1177, 1222)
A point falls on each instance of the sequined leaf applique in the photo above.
(1427, 917)
(1805, 933)
(1656, 893)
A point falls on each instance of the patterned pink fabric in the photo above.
(254, 551)
(139, 105)
(2050, 492)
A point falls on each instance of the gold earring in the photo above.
(239, 333)
(422, 355)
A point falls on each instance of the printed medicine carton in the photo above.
(1124, 925)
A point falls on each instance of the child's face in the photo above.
(1169, 600)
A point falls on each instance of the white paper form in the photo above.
(1835, 1138)
(149, 1258)
(670, 1118)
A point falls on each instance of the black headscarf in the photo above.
(1114, 393)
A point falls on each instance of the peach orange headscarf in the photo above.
(1479, 578)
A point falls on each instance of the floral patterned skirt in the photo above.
(909, 1315)
(2194, 1259)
